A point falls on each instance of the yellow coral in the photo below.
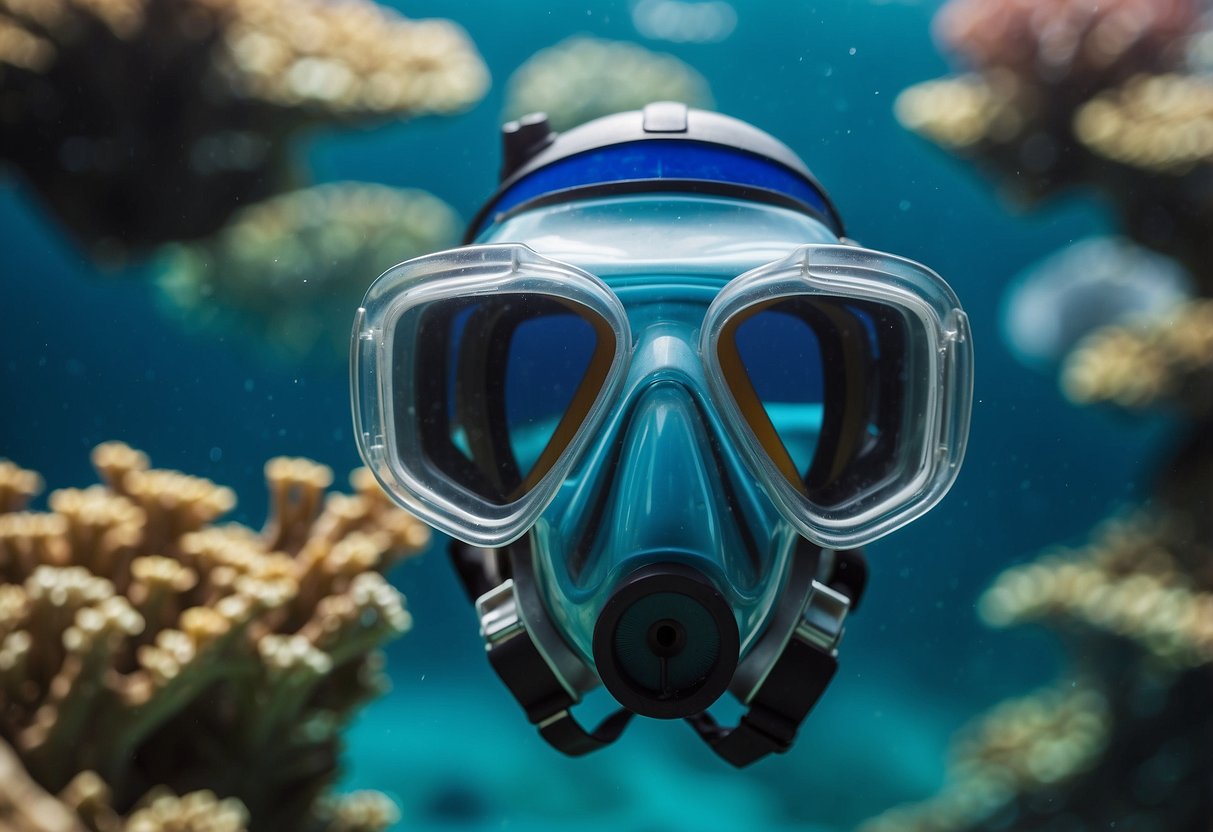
(1124, 583)
(582, 78)
(963, 112)
(1160, 123)
(140, 643)
(17, 486)
(243, 77)
(350, 57)
(195, 812)
(292, 268)
(1021, 746)
(1134, 366)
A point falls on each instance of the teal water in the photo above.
(87, 356)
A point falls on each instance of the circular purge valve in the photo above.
(666, 642)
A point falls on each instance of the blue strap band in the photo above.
(663, 159)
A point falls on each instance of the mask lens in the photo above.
(548, 359)
(820, 382)
(502, 383)
(781, 359)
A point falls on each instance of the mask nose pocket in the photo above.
(668, 482)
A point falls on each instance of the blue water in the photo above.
(86, 356)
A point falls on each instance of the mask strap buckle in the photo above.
(547, 702)
(798, 678)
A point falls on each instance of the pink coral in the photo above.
(1089, 42)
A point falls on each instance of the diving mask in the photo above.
(659, 401)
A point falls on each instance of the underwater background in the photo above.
(92, 352)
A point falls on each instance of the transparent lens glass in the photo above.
(503, 381)
(548, 359)
(781, 357)
(821, 382)
(845, 377)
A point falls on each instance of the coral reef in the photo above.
(582, 78)
(145, 121)
(1168, 359)
(1161, 123)
(146, 652)
(1034, 64)
(1134, 605)
(1033, 744)
(292, 269)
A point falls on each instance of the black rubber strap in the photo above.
(796, 681)
(546, 702)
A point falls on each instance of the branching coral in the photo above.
(1033, 744)
(1130, 582)
(1167, 359)
(963, 112)
(145, 121)
(293, 268)
(143, 646)
(583, 78)
(1137, 605)
(24, 806)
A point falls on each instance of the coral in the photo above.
(1134, 580)
(1076, 43)
(1096, 102)
(146, 121)
(1136, 603)
(293, 268)
(195, 812)
(1037, 63)
(144, 648)
(961, 113)
(360, 812)
(25, 806)
(1167, 359)
(17, 486)
(1160, 123)
(582, 78)
(1033, 744)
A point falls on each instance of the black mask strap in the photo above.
(547, 704)
(516, 659)
(796, 681)
(793, 686)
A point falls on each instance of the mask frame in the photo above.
(925, 467)
(392, 447)
(940, 355)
